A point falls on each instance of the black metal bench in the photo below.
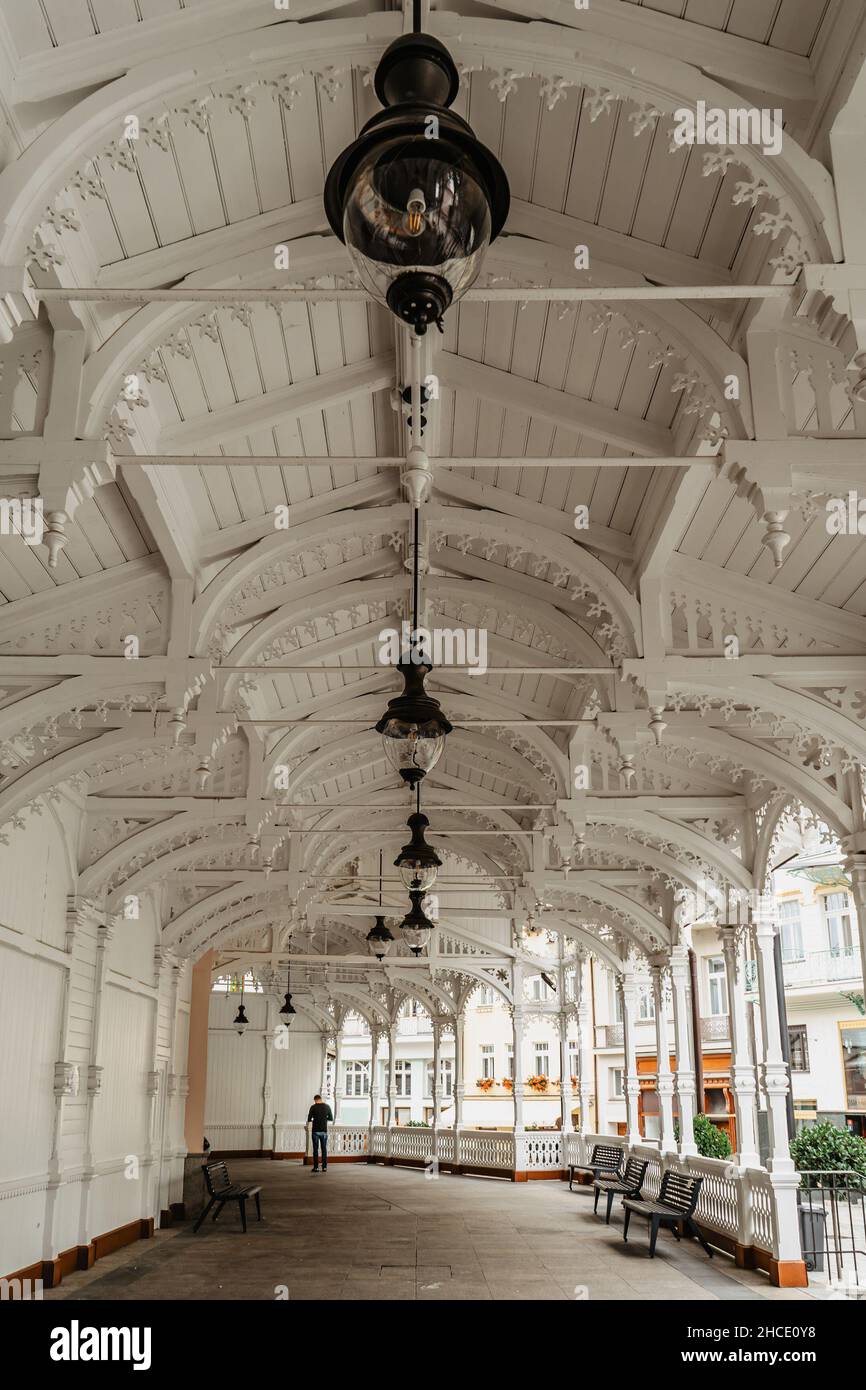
(221, 1189)
(626, 1184)
(606, 1159)
(674, 1207)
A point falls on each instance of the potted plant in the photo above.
(508, 1083)
(537, 1083)
(484, 1083)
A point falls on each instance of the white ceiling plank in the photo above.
(556, 406)
(83, 59)
(230, 421)
(725, 56)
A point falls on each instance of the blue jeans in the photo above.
(320, 1139)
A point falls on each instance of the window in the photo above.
(718, 985)
(573, 1059)
(446, 1082)
(357, 1078)
(403, 1078)
(617, 1006)
(542, 1059)
(539, 989)
(488, 1065)
(837, 915)
(509, 1061)
(486, 997)
(646, 1004)
(798, 1046)
(792, 932)
(853, 1037)
(616, 1083)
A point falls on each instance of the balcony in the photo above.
(715, 1028)
(815, 969)
(609, 1035)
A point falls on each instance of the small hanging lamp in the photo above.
(288, 1011)
(418, 862)
(240, 1020)
(379, 938)
(416, 925)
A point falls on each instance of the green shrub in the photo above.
(711, 1141)
(826, 1148)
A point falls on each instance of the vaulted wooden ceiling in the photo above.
(239, 111)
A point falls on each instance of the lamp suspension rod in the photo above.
(523, 294)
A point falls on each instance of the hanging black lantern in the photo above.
(416, 199)
(416, 926)
(413, 727)
(418, 862)
(288, 1011)
(379, 939)
(240, 1020)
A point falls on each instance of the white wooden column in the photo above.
(743, 1077)
(626, 985)
(775, 1082)
(684, 1078)
(392, 1075)
(518, 1024)
(339, 1079)
(267, 1078)
(664, 1075)
(856, 866)
(323, 1084)
(437, 1029)
(375, 1035)
(586, 1066)
(459, 1082)
(564, 1072)
(773, 1071)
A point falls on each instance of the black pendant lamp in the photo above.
(413, 727)
(417, 199)
(416, 925)
(379, 938)
(418, 862)
(288, 1012)
(240, 1020)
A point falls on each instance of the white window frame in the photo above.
(403, 1073)
(357, 1078)
(717, 987)
(541, 1056)
(488, 1061)
(838, 922)
(617, 1083)
(791, 926)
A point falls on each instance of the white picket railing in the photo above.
(735, 1202)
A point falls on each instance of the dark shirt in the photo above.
(320, 1115)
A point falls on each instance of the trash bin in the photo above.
(813, 1223)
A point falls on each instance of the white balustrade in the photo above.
(542, 1150)
(486, 1149)
(347, 1140)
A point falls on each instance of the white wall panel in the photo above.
(31, 995)
(122, 1107)
(35, 880)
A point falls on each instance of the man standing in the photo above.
(319, 1118)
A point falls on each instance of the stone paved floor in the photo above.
(369, 1232)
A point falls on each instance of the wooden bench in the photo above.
(221, 1189)
(674, 1207)
(626, 1184)
(606, 1159)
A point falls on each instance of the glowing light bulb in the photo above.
(413, 219)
